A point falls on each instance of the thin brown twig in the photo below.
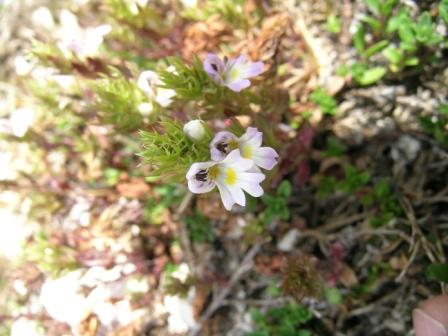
(245, 265)
(183, 233)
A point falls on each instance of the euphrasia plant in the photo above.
(229, 162)
(180, 107)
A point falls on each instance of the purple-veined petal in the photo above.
(265, 157)
(238, 85)
(216, 154)
(196, 167)
(196, 186)
(226, 196)
(222, 137)
(214, 67)
(200, 187)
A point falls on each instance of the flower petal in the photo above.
(238, 85)
(250, 182)
(146, 81)
(237, 194)
(214, 66)
(237, 162)
(251, 177)
(196, 186)
(196, 167)
(226, 196)
(252, 136)
(164, 96)
(252, 189)
(252, 69)
(222, 137)
(200, 187)
(265, 157)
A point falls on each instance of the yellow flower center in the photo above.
(233, 144)
(234, 74)
(230, 176)
(213, 172)
(246, 152)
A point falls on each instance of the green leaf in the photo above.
(394, 55)
(373, 5)
(285, 189)
(425, 30)
(386, 7)
(333, 24)
(372, 76)
(412, 61)
(333, 295)
(327, 103)
(358, 39)
(376, 48)
(443, 10)
(438, 272)
(375, 24)
(396, 21)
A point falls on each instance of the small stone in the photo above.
(286, 244)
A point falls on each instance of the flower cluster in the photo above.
(234, 167)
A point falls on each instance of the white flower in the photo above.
(82, 42)
(249, 145)
(195, 129)
(21, 120)
(233, 73)
(149, 82)
(231, 175)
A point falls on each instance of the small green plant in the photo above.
(166, 196)
(230, 11)
(276, 205)
(437, 126)
(334, 148)
(287, 320)
(199, 228)
(51, 258)
(381, 196)
(437, 272)
(443, 10)
(333, 24)
(326, 103)
(404, 41)
(353, 181)
(117, 100)
(333, 295)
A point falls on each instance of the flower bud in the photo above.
(145, 109)
(195, 129)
